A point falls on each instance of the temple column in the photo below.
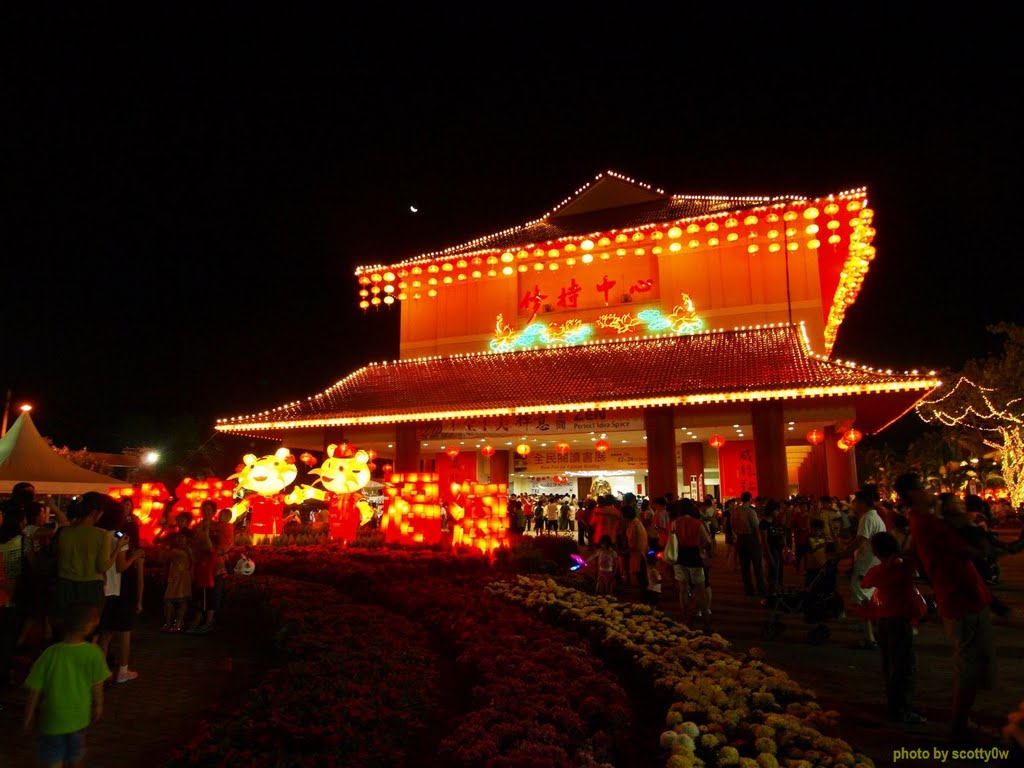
(407, 448)
(842, 465)
(693, 466)
(659, 424)
(499, 467)
(770, 450)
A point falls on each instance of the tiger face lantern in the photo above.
(343, 475)
(267, 475)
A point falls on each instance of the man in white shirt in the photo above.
(868, 524)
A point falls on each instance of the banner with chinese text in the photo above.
(738, 470)
(516, 427)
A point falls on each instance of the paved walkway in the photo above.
(181, 680)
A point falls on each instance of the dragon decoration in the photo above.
(683, 320)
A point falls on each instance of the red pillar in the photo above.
(770, 450)
(693, 465)
(661, 451)
(842, 466)
(407, 448)
(499, 467)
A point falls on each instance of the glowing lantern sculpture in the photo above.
(562, 448)
(487, 450)
(412, 509)
(267, 476)
(602, 446)
(344, 477)
(852, 436)
(716, 441)
(484, 522)
(523, 449)
(191, 494)
(815, 437)
(148, 501)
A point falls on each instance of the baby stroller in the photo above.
(818, 603)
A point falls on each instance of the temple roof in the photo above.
(611, 202)
(743, 365)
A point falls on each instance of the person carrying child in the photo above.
(607, 558)
(65, 688)
(895, 605)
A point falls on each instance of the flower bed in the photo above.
(724, 708)
(534, 696)
(356, 687)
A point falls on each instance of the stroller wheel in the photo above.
(819, 634)
(771, 629)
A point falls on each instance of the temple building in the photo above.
(657, 342)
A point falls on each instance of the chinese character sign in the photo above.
(738, 470)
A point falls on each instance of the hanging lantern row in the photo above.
(716, 441)
(404, 282)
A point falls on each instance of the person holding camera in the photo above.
(122, 585)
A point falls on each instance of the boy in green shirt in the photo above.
(66, 686)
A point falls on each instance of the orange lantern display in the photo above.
(601, 446)
(487, 450)
(452, 452)
(716, 441)
(562, 448)
(815, 436)
(412, 509)
(852, 436)
(191, 494)
(523, 449)
(484, 521)
(148, 503)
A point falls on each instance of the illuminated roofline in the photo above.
(703, 399)
(756, 203)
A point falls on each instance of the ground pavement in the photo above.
(183, 677)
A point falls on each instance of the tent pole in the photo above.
(7, 411)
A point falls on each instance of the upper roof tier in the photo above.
(745, 365)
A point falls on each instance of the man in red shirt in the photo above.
(962, 597)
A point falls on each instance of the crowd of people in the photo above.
(71, 587)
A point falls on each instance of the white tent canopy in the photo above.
(26, 457)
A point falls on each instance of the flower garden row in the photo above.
(527, 663)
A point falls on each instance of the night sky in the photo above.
(185, 197)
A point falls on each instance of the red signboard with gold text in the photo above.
(738, 471)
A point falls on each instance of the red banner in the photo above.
(737, 467)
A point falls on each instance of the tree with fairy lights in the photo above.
(986, 397)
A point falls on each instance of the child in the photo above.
(895, 604)
(178, 593)
(607, 565)
(652, 595)
(66, 687)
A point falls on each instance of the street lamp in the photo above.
(150, 458)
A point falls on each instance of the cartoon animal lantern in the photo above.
(266, 477)
(412, 509)
(148, 503)
(484, 522)
(344, 475)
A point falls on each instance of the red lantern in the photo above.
(562, 448)
(843, 445)
(717, 441)
(487, 450)
(815, 436)
(307, 458)
(601, 446)
(372, 454)
(387, 469)
(851, 437)
(372, 465)
(452, 452)
(523, 449)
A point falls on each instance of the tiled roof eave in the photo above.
(396, 416)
